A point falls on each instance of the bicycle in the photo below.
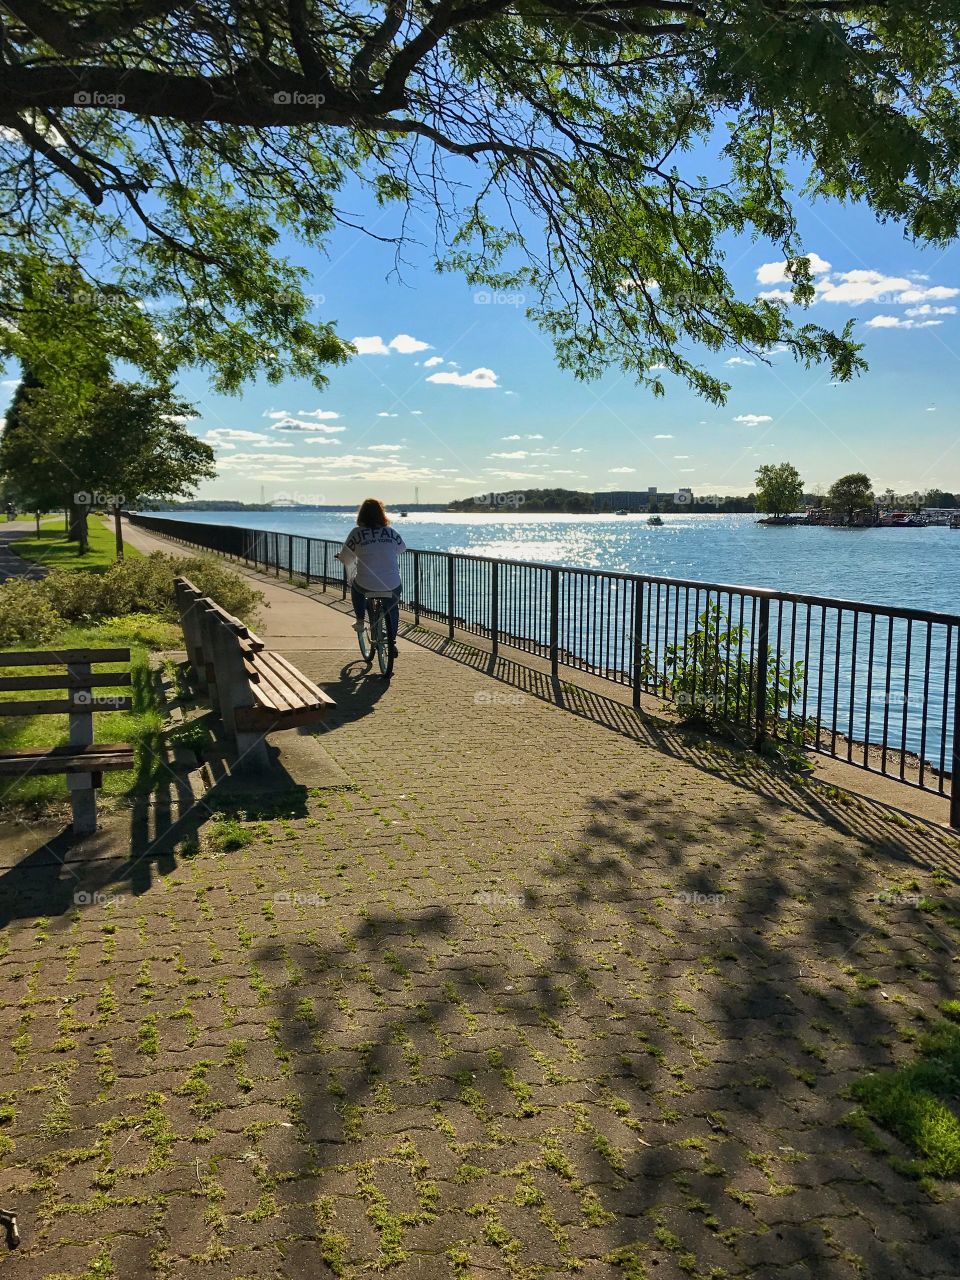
(374, 637)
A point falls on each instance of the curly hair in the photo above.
(372, 514)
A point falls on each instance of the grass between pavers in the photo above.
(141, 633)
(914, 1102)
(54, 551)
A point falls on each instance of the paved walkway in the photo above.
(12, 565)
(542, 991)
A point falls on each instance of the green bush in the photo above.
(27, 615)
(144, 585)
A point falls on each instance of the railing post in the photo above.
(450, 590)
(416, 588)
(554, 622)
(326, 546)
(637, 658)
(289, 557)
(955, 754)
(309, 546)
(495, 607)
(763, 657)
(276, 554)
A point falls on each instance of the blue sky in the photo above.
(457, 395)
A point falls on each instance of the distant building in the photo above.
(625, 499)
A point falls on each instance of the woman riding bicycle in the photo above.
(374, 547)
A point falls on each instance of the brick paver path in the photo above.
(530, 997)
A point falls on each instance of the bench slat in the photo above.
(60, 658)
(307, 684)
(276, 679)
(65, 759)
(61, 706)
(262, 720)
(65, 681)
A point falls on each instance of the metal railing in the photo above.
(874, 686)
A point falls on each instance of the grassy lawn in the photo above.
(53, 551)
(141, 633)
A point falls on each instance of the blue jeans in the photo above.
(358, 596)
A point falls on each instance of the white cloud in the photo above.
(407, 345)
(663, 437)
(775, 295)
(517, 453)
(417, 413)
(482, 379)
(388, 415)
(434, 360)
(681, 457)
(578, 450)
(371, 346)
(738, 360)
(384, 448)
(221, 434)
(927, 310)
(10, 382)
(775, 272)
(514, 437)
(654, 367)
(325, 440)
(895, 322)
(297, 424)
(622, 471)
(321, 415)
(752, 419)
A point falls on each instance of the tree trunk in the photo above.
(37, 518)
(118, 531)
(78, 526)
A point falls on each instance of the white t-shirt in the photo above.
(376, 553)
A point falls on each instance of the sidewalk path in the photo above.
(12, 565)
(544, 991)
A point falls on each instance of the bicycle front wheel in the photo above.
(365, 639)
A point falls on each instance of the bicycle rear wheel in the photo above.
(365, 638)
(382, 640)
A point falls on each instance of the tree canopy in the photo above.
(165, 147)
(125, 442)
(779, 488)
(851, 493)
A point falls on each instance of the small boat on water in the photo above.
(902, 520)
(403, 513)
(655, 521)
(955, 522)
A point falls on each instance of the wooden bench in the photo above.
(254, 689)
(82, 760)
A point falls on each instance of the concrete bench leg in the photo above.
(252, 750)
(83, 802)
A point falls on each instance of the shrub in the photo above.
(26, 613)
(230, 589)
(144, 585)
